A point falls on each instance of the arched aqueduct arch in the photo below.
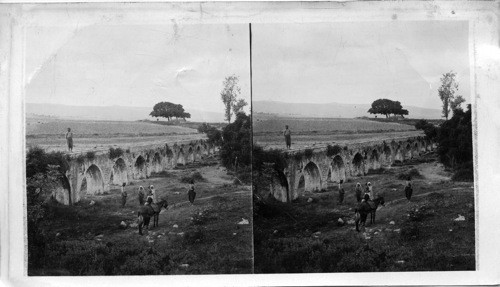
(338, 171)
(181, 158)
(358, 165)
(279, 186)
(140, 168)
(190, 154)
(398, 155)
(305, 168)
(119, 173)
(97, 174)
(156, 163)
(408, 151)
(312, 177)
(387, 155)
(93, 181)
(374, 160)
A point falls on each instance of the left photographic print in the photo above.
(138, 149)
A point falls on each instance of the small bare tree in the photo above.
(229, 97)
(448, 94)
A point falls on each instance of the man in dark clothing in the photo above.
(359, 190)
(288, 138)
(124, 195)
(341, 192)
(191, 192)
(408, 189)
(141, 195)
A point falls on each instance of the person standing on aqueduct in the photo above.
(288, 138)
(69, 140)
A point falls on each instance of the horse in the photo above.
(366, 208)
(147, 211)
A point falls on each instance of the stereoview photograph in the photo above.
(362, 157)
(138, 149)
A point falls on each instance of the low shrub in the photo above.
(89, 257)
(115, 152)
(412, 173)
(410, 231)
(90, 155)
(160, 174)
(203, 217)
(464, 175)
(195, 176)
(333, 150)
(193, 236)
(420, 213)
(308, 153)
(376, 171)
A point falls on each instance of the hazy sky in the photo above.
(359, 62)
(186, 64)
(136, 65)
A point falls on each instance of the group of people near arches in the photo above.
(151, 195)
(360, 196)
(366, 193)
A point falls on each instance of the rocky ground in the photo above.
(433, 231)
(212, 236)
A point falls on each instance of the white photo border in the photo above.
(482, 17)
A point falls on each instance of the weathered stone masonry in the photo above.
(310, 173)
(96, 175)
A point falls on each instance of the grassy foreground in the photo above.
(204, 238)
(433, 232)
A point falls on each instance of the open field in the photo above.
(434, 231)
(314, 132)
(203, 238)
(50, 133)
(36, 127)
(269, 123)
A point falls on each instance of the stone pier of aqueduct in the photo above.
(92, 175)
(311, 170)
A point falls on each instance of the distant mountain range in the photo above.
(333, 110)
(110, 113)
(121, 113)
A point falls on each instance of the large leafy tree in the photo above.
(229, 96)
(169, 110)
(236, 146)
(213, 134)
(455, 140)
(448, 94)
(387, 107)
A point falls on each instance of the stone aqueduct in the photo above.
(311, 171)
(91, 175)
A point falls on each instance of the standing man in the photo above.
(288, 139)
(408, 189)
(191, 192)
(153, 194)
(69, 140)
(124, 195)
(141, 195)
(359, 190)
(341, 192)
(369, 187)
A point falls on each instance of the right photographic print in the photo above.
(363, 147)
